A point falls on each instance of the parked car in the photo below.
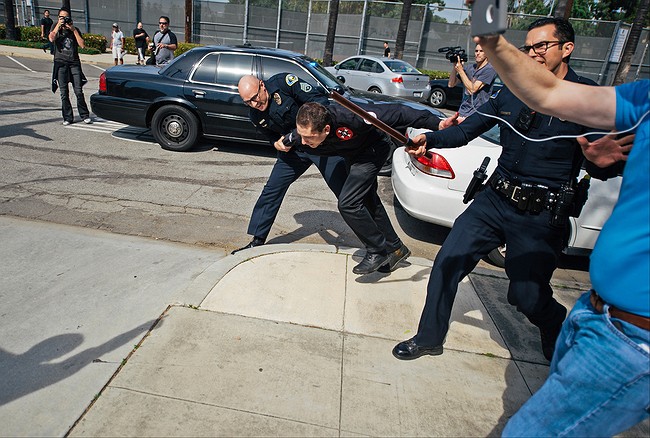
(439, 95)
(381, 75)
(196, 94)
(432, 188)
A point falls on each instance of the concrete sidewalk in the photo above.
(102, 59)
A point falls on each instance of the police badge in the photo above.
(277, 98)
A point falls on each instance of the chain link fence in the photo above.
(362, 28)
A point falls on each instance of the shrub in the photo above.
(94, 41)
(3, 31)
(184, 47)
(436, 74)
(31, 33)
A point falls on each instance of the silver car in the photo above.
(381, 75)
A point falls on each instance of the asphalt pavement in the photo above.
(111, 335)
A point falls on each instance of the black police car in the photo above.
(196, 94)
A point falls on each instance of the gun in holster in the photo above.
(569, 201)
(476, 183)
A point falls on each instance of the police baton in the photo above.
(365, 115)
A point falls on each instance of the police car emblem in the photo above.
(277, 98)
(344, 133)
(291, 79)
(304, 86)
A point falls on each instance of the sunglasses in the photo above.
(163, 23)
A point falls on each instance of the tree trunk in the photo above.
(188, 21)
(10, 20)
(402, 28)
(632, 42)
(331, 32)
(563, 9)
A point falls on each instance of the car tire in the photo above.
(175, 128)
(374, 90)
(498, 256)
(438, 98)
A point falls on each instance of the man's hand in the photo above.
(606, 150)
(449, 121)
(419, 146)
(459, 66)
(279, 145)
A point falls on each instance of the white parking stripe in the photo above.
(21, 64)
(98, 68)
(108, 127)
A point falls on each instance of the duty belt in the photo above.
(527, 197)
(637, 320)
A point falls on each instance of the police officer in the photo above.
(519, 207)
(334, 130)
(273, 106)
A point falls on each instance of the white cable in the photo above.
(555, 137)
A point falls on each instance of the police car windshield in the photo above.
(325, 77)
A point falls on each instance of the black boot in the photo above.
(253, 243)
(550, 333)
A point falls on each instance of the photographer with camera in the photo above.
(476, 78)
(67, 66)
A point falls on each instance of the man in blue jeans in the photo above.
(599, 381)
(67, 66)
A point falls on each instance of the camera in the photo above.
(453, 54)
(67, 20)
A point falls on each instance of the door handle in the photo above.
(198, 93)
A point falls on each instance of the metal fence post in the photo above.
(307, 29)
(425, 14)
(363, 26)
(245, 30)
(277, 26)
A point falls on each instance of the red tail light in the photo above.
(397, 79)
(102, 83)
(435, 165)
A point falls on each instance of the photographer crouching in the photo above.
(67, 66)
(476, 78)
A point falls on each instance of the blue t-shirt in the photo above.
(620, 262)
(486, 75)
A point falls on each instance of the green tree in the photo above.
(331, 32)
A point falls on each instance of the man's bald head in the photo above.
(253, 93)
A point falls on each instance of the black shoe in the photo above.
(409, 350)
(44, 50)
(370, 263)
(394, 258)
(550, 334)
(253, 243)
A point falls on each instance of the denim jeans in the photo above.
(599, 382)
(66, 106)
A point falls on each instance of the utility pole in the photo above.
(10, 20)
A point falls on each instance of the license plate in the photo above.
(417, 94)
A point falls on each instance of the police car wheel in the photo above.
(498, 256)
(175, 128)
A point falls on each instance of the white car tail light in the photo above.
(435, 165)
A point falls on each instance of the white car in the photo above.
(393, 77)
(432, 190)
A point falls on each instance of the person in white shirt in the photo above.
(117, 44)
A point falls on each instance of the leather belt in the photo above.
(637, 320)
(528, 197)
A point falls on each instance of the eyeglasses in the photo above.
(541, 47)
(255, 98)
(163, 23)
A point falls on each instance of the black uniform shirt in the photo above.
(551, 162)
(350, 134)
(287, 93)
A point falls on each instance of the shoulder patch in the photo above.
(291, 79)
(277, 98)
(304, 86)
(344, 133)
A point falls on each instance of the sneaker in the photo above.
(66, 123)
(88, 121)
(370, 263)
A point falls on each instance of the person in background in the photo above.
(164, 41)
(117, 44)
(600, 372)
(476, 79)
(141, 38)
(46, 26)
(67, 66)
(386, 50)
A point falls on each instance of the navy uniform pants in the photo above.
(533, 247)
(359, 203)
(288, 168)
